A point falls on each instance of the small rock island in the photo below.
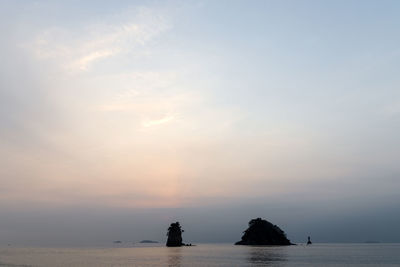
(175, 235)
(262, 232)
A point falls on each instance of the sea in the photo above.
(379, 254)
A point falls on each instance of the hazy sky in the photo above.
(119, 117)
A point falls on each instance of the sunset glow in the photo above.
(195, 104)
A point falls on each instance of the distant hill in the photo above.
(262, 232)
(148, 241)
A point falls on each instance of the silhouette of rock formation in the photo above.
(262, 232)
(175, 235)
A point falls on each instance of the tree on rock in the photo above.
(174, 235)
(262, 232)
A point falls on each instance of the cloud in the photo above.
(164, 120)
(84, 62)
(79, 49)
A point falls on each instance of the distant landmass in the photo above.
(117, 242)
(371, 242)
(262, 232)
(148, 241)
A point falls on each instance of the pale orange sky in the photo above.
(131, 109)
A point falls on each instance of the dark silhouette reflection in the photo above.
(175, 257)
(265, 256)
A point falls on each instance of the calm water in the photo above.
(207, 255)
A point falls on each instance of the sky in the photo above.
(120, 117)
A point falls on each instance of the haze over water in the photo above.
(120, 117)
